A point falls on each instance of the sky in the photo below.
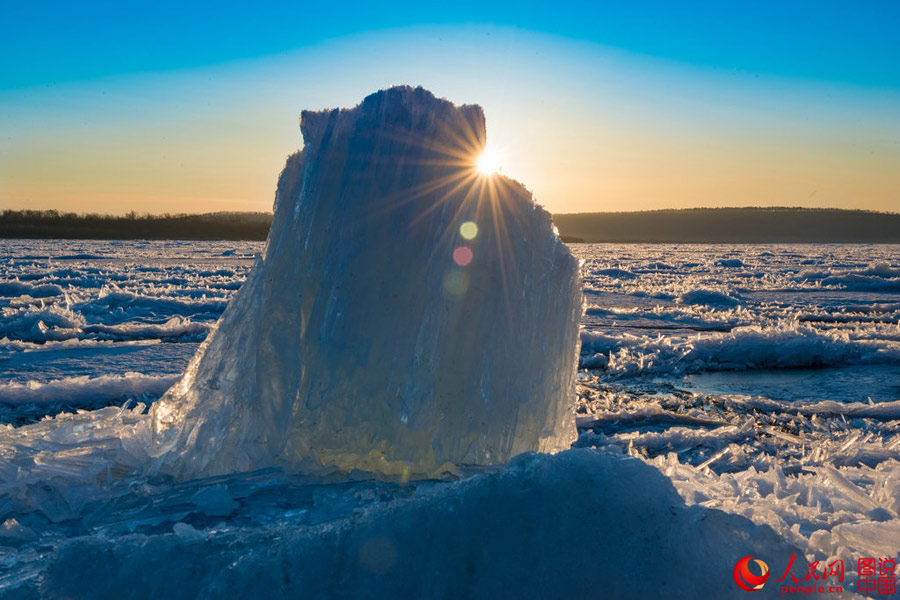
(603, 106)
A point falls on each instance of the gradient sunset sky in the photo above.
(193, 107)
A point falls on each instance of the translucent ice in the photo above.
(410, 314)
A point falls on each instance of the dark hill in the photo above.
(732, 225)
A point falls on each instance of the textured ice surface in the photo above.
(76, 316)
(782, 405)
(818, 464)
(77, 480)
(362, 339)
(763, 310)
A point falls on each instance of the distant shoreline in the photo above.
(50, 224)
(681, 226)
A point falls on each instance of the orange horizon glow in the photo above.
(585, 128)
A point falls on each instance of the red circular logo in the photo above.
(745, 579)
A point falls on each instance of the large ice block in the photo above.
(409, 314)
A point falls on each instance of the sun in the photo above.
(489, 162)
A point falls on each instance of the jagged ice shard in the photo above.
(410, 314)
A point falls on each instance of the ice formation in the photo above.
(409, 314)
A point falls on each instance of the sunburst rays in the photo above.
(461, 176)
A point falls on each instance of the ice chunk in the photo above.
(13, 532)
(381, 331)
(879, 538)
(214, 500)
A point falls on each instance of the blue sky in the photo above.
(110, 106)
(52, 42)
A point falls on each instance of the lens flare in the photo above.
(468, 230)
(462, 256)
(456, 282)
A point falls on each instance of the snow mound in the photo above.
(30, 401)
(84, 390)
(877, 277)
(378, 333)
(730, 263)
(615, 273)
(710, 298)
(519, 533)
(784, 345)
(20, 288)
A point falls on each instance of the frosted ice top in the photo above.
(410, 313)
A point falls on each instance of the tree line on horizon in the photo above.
(50, 224)
(694, 225)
